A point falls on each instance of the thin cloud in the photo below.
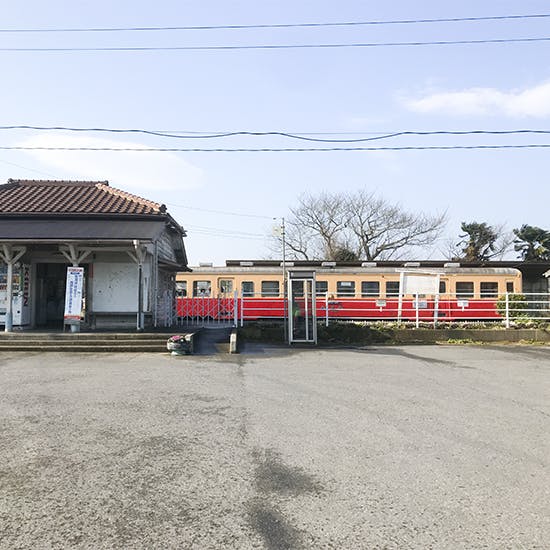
(154, 173)
(529, 102)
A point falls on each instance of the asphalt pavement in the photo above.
(380, 447)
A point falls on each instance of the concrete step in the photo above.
(84, 342)
(34, 336)
(205, 342)
(76, 348)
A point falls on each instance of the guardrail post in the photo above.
(507, 310)
(235, 309)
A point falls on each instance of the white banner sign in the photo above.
(73, 294)
(420, 284)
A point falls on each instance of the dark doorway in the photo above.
(50, 296)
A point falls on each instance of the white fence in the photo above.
(440, 309)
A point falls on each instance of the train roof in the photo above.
(528, 269)
(272, 266)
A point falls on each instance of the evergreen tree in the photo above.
(533, 243)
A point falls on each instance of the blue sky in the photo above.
(367, 90)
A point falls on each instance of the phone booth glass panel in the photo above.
(302, 321)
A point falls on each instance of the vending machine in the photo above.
(20, 294)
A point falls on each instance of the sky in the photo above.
(228, 202)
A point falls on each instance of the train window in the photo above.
(202, 289)
(345, 288)
(392, 288)
(465, 290)
(247, 288)
(370, 288)
(489, 290)
(181, 289)
(226, 286)
(270, 288)
(509, 286)
(321, 288)
(442, 287)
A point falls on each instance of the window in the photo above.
(489, 290)
(247, 288)
(465, 290)
(442, 287)
(270, 288)
(298, 289)
(392, 288)
(345, 288)
(370, 288)
(226, 286)
(181, 289)
(509, 286)
(321, 288)
(202, 289)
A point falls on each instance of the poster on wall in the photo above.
(73, 295)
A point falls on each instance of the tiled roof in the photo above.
(71, 197)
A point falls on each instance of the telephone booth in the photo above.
(302, 313)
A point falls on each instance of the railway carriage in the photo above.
(253, 290)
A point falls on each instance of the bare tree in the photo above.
(361, 224)
(383, 230)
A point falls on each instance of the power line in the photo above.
(277, 150)
(222, 212)
(27, 168)
(284, 25)
(277, 46)
(298, 136)
(219, 229)
(228, 234)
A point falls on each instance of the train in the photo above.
(254, 290)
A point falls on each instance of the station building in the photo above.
(129, 248)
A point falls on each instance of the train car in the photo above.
(253, 290)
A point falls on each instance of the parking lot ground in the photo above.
(381, 447)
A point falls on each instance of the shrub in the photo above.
(517, 304)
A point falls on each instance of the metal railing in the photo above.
(237, 310)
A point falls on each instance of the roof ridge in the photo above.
(60, 183)
(130, 196)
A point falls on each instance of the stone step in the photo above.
(147, 348)
(31, 337)
(90, 343)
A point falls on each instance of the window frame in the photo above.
(366, 294)
(461, 295)
(493, 293)
(247, 293)
(197, 289)
(342, 293)
(392, 293)
(319, 292)
(270, 293)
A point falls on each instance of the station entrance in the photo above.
(302, 311)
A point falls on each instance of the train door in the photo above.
(302, 318)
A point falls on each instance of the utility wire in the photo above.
(298, 136)
(222, 212)
(221, 230)
(278, 150)
(284, 25)
(27, 168)
(278, 46)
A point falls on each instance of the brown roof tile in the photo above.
(71, 197)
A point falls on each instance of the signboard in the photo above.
(73, 295)
(420, 284)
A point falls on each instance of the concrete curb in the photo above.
(431, 336)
